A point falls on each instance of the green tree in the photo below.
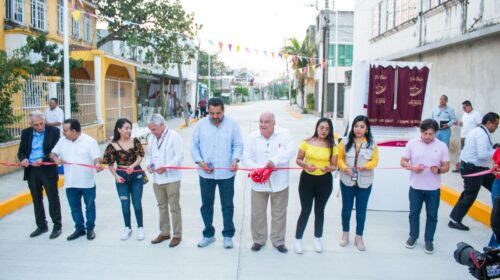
(301, 52)
(10, 84)
(163, 28)
(51, 62)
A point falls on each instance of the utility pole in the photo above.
(288, 78)
(67, 96)
(335, 106)
(325, 57)
(209, 77)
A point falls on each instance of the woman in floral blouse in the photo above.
(128, 153)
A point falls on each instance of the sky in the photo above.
(258, 24)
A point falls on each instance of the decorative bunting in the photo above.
(230, 46)
(211, 42)
(248, 50)
(272, 54)
(76, 14)
(221, 45)
(237, 48)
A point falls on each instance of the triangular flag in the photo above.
(286, 56)
(256, 51)
(76, 14)
(230, 46)
(265, 53)
(248, 50)
(272, 54)
(211, 42)
(221, 45)
(237, 48)
(305, 69)
(280, 55)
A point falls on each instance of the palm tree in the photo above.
(301, 54)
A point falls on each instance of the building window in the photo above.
(38, 14)
(60, 18)
(15, 10)
(394, 13)
(344, 56)
(75, 27)
(87, 28)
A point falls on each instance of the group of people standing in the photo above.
(478, 153)
(218, 149)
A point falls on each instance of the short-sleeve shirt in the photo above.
(432, 154)
(319, 156)
(83, 150)
(56, 115)
(496, 159)
(123, 157)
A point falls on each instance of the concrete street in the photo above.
(107, 257)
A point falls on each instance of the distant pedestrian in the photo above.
(166, 149)
(54, 116)
(217, 143)
(358, 156)
(203, 107)
(427, 158)
(318, 157)
(475, 157)
(79, 181)
(445, 116)
(127, 153)
(470, 119)
(36, 143)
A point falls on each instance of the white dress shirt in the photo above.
(280, 148)
(83, 150)
(56, 115)
(478, 148)
(166, 151)
(470, 121)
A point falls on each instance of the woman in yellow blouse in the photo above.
(358, 156)
(318, 157)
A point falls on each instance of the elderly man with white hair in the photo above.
(165, 149)
(36, 143)
(270, 147)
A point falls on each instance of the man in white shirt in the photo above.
(54, 115)
(270, 147)
(470, 119)
(475, 157)
(74, 151)
(165, 149)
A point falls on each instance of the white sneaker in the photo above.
(126, 232)
(140, 233)
(318, 247)
(298, 246)
(228, 243)
(205, 241)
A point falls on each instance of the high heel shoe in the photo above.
(345, 239)
(358, 241)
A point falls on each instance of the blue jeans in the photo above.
(75, 203)
(495, 191)
(348, 195)
(431, 199)
(131, 188)
(226, 192)
(444, 135)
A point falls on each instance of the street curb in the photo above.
(183, 125)
(478, 211)
(295, 115)
(16, 202)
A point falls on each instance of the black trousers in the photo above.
(472, 185)
(40, 178)
(315, 189)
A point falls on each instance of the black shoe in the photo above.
(39, 231)
(456, 171)
(256, 247)
(55, 233)
(76, 234)
(282, 249)
(429, 247)
(90, 234)
(458, 226)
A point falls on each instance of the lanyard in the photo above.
(357, 154)
(487, 134)
(158, 145)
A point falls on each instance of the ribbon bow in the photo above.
(260, 175)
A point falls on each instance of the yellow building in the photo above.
(112, 78)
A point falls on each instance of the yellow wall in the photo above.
(2, 17)
(51, 15)
(96, 132)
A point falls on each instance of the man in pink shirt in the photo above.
(426, 157)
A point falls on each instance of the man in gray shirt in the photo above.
(445, 116)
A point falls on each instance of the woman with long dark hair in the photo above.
(318, 157)
(358, 156)
(128, 153)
